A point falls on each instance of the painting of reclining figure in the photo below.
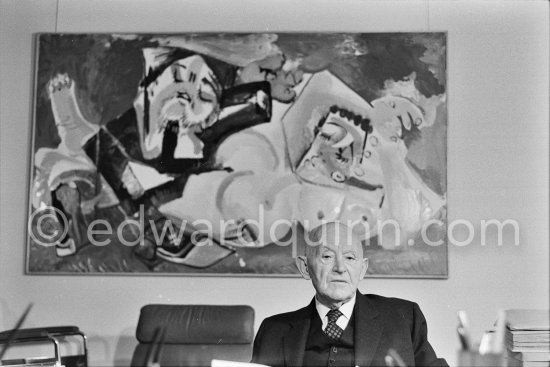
(215, 154)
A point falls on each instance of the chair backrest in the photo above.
(195, 334)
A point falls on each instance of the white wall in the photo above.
(497, 161)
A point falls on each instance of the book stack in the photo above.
(527, 338)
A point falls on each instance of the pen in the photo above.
(393, 359)
(500, 326)
(463, 330)
(389, 361)
(464, 338)
(14, 332)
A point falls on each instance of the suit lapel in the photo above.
(296, 338)
(368, 330)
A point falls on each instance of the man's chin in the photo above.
(341, 294)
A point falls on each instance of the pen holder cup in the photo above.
(474, 359)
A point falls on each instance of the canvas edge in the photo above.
(31, 142)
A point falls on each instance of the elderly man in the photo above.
(342, 327)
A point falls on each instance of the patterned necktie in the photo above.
(332, 330)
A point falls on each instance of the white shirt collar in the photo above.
(346, 309)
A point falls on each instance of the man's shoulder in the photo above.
(389, 305)
(376, 299)
(384, 305)
(289, 317)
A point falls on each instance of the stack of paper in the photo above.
(528, 338)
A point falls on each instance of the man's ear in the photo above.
(364, 267)
(301, 263)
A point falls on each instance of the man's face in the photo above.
(187, 92)
(335, 266)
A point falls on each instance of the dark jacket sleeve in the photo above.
(424, 355)
(268, 347)
(257, 351)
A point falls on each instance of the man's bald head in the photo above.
(334, 233)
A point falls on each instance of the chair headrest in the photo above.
(197, 324)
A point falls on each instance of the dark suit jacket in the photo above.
(380, 323)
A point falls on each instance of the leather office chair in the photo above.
(193, 335)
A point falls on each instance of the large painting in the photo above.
(215, 154)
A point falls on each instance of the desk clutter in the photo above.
(519, 338)
(527, 338)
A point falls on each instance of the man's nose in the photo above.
(339, 264)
